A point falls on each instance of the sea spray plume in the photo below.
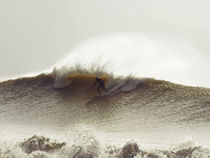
(40, 143)
(189, 149)
(85, 146)
(129, 150)
(112, 151)
(186, 152)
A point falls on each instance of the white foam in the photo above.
(116, 84)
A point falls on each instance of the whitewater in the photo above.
(60, 115)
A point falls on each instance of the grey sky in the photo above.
(35, 34)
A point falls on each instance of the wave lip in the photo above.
(84, 78)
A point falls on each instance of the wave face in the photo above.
(154, 113)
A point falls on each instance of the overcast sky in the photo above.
(35, 34)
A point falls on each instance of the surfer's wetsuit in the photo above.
(100, 84)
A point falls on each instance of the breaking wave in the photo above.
(145, 110)
(78, 76)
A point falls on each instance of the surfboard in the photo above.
(97, 96)
(94, 97)
(90, 97)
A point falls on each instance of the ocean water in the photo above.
(61, 115)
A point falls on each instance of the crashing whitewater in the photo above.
(57, 115)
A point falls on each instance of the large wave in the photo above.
(149, 111)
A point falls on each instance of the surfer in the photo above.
(101, 84)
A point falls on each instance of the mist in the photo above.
(137, 55)
(37, 34)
